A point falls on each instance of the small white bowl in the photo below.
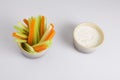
(88, 37)
(31, 55)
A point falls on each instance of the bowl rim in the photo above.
(31, 55)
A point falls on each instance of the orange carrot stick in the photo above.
(50, 36)
(26, 22)
(19, 37)
(42, 26)
(31, 32)
(40, 48)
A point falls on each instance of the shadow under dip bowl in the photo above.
(87, 37)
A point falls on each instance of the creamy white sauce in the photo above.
(87, 36)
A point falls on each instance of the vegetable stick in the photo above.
(42, 26)
(50, 36)
(21, 30)
(22, 35)
(21, 40)
(27, 47)
(23, 26)
(26, 22)
(40, 48)
(19, 37)
(49, 33)
(37, 30)
(31, 32)
(46, 33)
(52, 25)
(45, 24)
(48, 43)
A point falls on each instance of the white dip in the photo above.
(87, 36)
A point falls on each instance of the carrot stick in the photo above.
(31, 32)
(17, 36)
(42, 26)
(40, 48)
(50, 36)
(26, 22)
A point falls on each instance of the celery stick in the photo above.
(37, 30)
(48, 43)
(23, 26)
(22, 35)
(27, 48)
(19, 29)
(38, 39)
(20, 40)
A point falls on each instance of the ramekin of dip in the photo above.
(87, 37)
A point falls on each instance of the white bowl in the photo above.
(31, 55)
(79, 45)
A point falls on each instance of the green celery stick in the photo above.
(23, 26)
(37, 30)
(48, 43)
(19, 29)
(39, 17)
(27, 48)
(20, 40)
(22, 35)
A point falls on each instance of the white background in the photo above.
(62, 61)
